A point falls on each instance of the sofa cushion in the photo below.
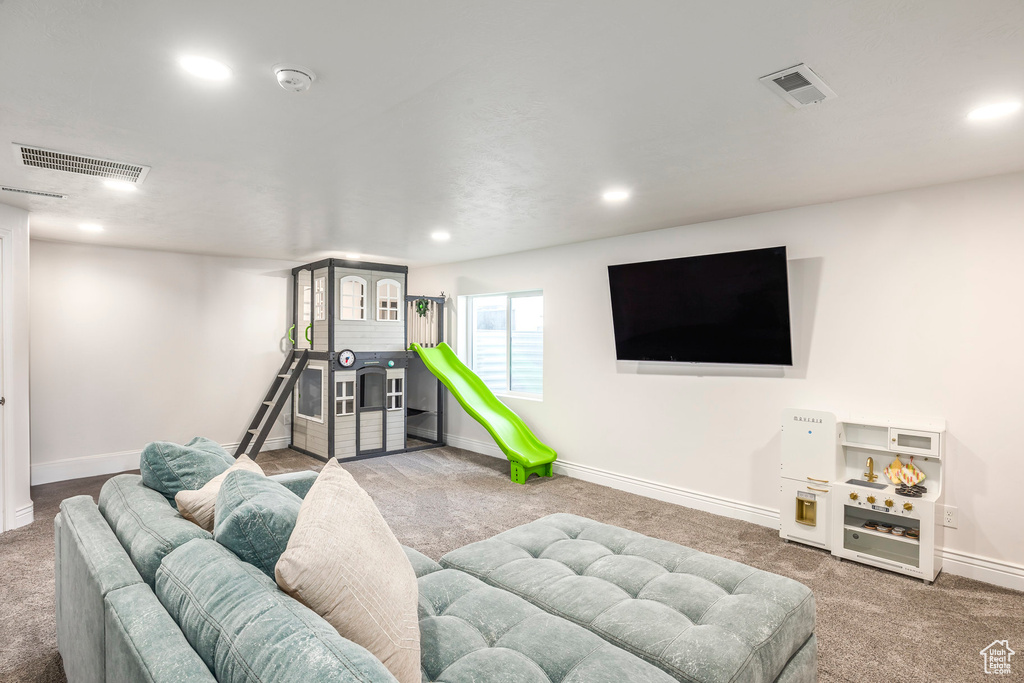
(198, 506)
(298, 483)
(254, 518)
(698, 617)
(421, 564)
(471, 632)
(144, 645)
(145, 525)
(343, 562)
(245, 629)
(169, 467)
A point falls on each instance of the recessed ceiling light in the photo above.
(440, 236)
(204, 67)
(615, 195)
(120, 185)
(90, 227)
(994, 111)
(353, 256)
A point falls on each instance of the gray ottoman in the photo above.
(473, 633)
(699, 617)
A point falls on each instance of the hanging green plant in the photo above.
(421, 306)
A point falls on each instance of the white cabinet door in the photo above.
(805, 512)
(810, 446)
(913, 442)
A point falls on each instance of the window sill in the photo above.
(536, 398)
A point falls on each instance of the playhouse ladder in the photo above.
(266, 415)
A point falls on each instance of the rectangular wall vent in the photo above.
(37, 157)
(35, 193)
(799, 86)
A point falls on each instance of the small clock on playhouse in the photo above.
(347, 358)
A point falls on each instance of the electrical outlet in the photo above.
(949, 516)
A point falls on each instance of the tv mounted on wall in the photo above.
(718, 308)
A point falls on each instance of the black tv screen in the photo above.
(719, 308)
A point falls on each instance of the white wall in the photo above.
(907, 303)
(133, 346)
(15, 499)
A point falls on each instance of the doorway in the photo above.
(371, 417)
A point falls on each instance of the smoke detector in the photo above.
(799, 86)
(294, 78)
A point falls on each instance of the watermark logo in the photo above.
(997, 657)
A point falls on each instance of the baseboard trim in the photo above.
(968, 565)
(996, 572)
(483, 448)
(696, 500)
(24, 516)
(643, 487)
(112, 463)
(85, 466)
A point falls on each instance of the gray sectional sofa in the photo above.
(144, 595)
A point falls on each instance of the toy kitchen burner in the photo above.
(871, 519)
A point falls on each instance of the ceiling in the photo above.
(500, 122)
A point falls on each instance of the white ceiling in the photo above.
(499, 121)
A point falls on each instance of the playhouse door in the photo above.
(371, 417)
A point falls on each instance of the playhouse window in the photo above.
(307, 297)
(371, 390)
(388, 294)
(353, 298)
(345, 397)
(505, 335)
(320, 299)
(310, 404)
(395, 393)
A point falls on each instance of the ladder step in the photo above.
(285, 376)
(254, 432)
(268, 403)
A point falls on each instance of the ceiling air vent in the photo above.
(799, 86)
(53, 160)
(35, 193)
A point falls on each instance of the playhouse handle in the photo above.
(291, 338)
(308, 328)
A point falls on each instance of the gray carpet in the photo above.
(872, 625)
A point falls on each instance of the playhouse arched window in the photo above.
(353, 298)
(389, 292)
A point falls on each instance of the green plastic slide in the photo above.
(526, 453)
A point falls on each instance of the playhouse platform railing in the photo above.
(424, 319)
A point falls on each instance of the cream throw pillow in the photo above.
(199, 506)
(344, 563)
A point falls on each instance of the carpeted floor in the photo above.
(872, 625)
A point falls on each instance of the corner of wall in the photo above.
(15, 459)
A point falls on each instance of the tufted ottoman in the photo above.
(699, 617)
(474, 633)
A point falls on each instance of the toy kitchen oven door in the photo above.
(810, 465)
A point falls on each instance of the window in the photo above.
(506, 341)
(371, 390)
(345, 397)
(395, 393)
(388, 294)
(353, 298)
(311, 394)
(320, 299)
(307, 297)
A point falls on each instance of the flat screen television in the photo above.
(718, 308)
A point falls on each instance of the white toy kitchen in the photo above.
(867, 489)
